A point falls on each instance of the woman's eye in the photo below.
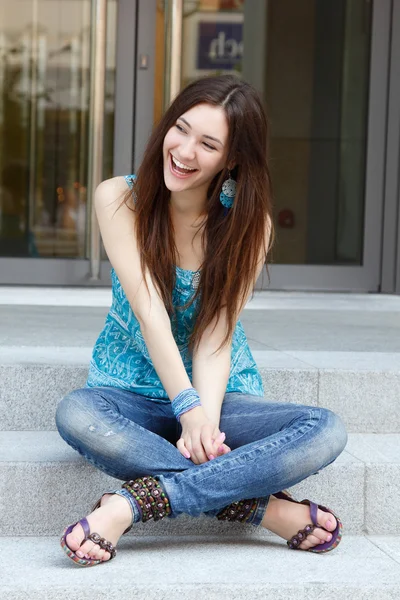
(180, 128)
(209, 146)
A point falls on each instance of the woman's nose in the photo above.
(187, 150)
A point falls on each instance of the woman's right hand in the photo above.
(201, 440)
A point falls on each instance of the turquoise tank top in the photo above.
(120, 357)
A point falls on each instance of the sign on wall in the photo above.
(212, 42)
(220, 45)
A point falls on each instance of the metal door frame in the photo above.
(391, 222)
(365, 278)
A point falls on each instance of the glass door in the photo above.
(46, 113)
(321, 67)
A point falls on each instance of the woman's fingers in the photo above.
(203, 445)
(180, 444)
(197, 447)
(224, 449)
(210, 438)
(219, 440)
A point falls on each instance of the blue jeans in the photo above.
(274, 446)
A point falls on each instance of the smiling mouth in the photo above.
(177, 170)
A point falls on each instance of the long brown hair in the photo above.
(231, 243)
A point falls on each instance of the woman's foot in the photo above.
(109, 520)
(285, 518)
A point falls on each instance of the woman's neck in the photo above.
(188, 205)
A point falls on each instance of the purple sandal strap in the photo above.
(85, 526)
(313, 513)
(300, 536)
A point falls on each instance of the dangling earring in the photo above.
(228, 192)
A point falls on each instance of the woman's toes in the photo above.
(306, 544)
(85, 549)
(74, 539)
(94, 552)
(319, 536)
(311, 540)
(326, 520)
(99, 554)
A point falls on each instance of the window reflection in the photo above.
(310, 61)
(44, 118)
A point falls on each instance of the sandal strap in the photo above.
(96, 538)
(313, 511)
(85, 526)
(284, 495)
(300, 536)
(103, 543)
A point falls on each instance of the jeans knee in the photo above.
(334, 433)
(69, 413)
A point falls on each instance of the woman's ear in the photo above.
(230, 166)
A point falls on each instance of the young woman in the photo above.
(172, 377)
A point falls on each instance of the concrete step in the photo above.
(362, 387)
(45, 485)
(199, 568)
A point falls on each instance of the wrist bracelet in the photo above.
(184, 401)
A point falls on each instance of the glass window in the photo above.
(310, 61)
(44, 118)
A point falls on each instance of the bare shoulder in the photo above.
(110, 193)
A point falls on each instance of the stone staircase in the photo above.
(334, 350)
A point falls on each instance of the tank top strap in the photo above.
(129, 180)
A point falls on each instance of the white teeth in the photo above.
(181, 165)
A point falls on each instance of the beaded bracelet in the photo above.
(184, 401)
(152, 501)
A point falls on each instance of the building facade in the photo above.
(80, 90)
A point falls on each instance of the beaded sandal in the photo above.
(94, 537)
(152, 502)
(302, 534)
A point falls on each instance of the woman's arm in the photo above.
(211, 371)
(118, 234)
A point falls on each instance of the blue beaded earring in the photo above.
(228, 193)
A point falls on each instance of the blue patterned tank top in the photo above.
(121, 359)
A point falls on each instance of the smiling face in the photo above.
(195, 148)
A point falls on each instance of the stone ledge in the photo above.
(365, 393)
(194, 568)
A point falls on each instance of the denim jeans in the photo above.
(274, 446)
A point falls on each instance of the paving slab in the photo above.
(365, 327)
(195, 568)
(390, 544)
(370, 448)
(265, 300)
